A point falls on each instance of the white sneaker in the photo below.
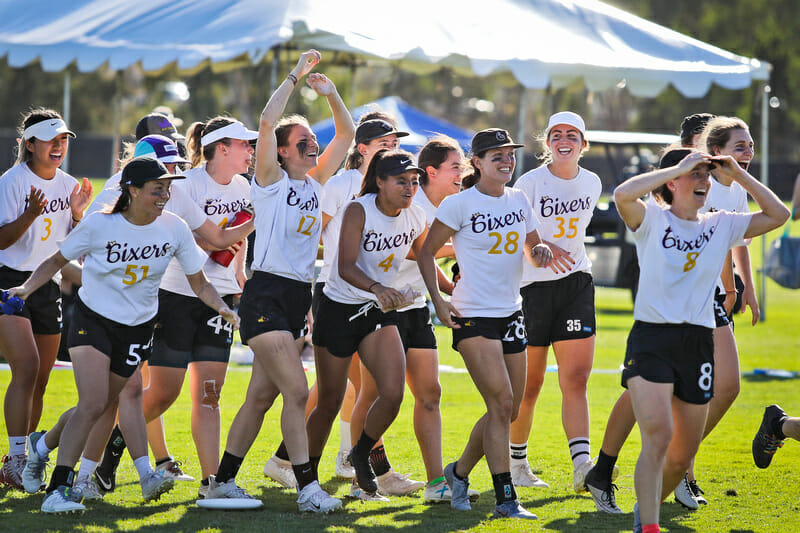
(33, 473)
(280, 470)
(393, 484)
(172, 468)
(579, 476)
(88, 489)
(523, 476)
(154, 484)
(344, 469)
(62, 500)
(11, 471)
(229, 489)
(360, 494)
(315, 500)
(202, 492)
(685, 496)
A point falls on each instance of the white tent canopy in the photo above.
(541, 42)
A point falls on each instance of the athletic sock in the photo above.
(282, 452)
(503, 488)
(304, 474)
(116, 441)
(379, 461)
(436, 481)
(580, 450)
(345, 442)
(228, 467)
(777, 427)
(87, 468)
(364, 445)
(651, 528)
(519, 453)
(315, 463)
(605, 465)
(62, 475)
(18, 445)
(41, 447)
(142, 465)
(164, 460)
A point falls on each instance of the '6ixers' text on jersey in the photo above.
(338, 191)
(680, 262)
(125, 262)
(490, 233)
(563, 209)
(385, 243)
(288, 223)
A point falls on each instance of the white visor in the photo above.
(567, 118)
(235, 130)
(46, 130)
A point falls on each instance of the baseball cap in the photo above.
(395, 164)
(142, 169)
(491, 138)
(47, 129)
(159, 147)
(694, 124)
(234, 130)
(157, 124)
(375, 129)
(566, 117)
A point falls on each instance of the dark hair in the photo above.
(196, 151)
(718, 130)
(284, 127)
(475, 175)
(663, 193)
(124, 200)
(692, 125)
(434, 153)
(354, 158)
(34, 116)
(370, 183)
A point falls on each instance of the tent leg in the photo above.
(273, 73)
(116, 118)
(65, 111)
(522, 135)
(765, 91)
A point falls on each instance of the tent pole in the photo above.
(115, 121)
(765, 91)
(353, 68)
(65, 112)
(273, 73)
(522, 135)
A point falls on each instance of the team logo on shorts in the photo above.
(81, 332)
(262, 319)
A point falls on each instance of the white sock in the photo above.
(142, 465)
(344, 442)
(87, 468)
(18, 445)
(519, 453)
(580, 450)
(41, 448)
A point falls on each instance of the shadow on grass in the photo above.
(671, 519)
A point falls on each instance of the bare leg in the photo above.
(207, 379)
(331, 385)
(537, 367)
(422, 376)
(18, 346)
(47, 346)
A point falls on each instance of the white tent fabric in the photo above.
(541, 42)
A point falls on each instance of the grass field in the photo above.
(741, 497)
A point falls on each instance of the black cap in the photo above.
(142, 169)
(395, 164)
(157, 124)
(486, 140)
(375, 129)
(694, 124)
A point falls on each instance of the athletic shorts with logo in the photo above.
(416, 329)
(682, 354)
(273, 303)
(126, 346)
(559, 310)
(340, 328)
(509, 330)
(42, 308)
(187, 330)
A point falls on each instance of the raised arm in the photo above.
(332, 157)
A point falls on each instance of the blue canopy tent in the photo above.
(420, 125)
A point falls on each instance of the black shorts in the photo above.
(509, 330)
(559, 310)
(126, 346)
(43, 306)
(682, 354)
(721, 318)
(315, 299)
(273, 303)
(187, 330)
(416, 329)
(340, 328)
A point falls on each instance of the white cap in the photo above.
(47, 130)
(569, 118)
(234, 130)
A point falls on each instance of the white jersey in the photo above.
(339, 191)
(489, 239)
(680, 263)
(113, 182)
(721, 197)
(288, 222)
(563, 209)
(41, 238)
(409, 273)
(385, 242)
(124, 262)
(219, 203)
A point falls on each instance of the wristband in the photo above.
(369, 289)
(291, 77)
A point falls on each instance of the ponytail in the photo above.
(370, 183)
(195, 150)
(124, 200)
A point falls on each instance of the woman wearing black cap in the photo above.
(669, 360)
(492, 227)
(39, 206)
(357, 307)
(126, 253)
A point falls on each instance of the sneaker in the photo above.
(172, 468)
(155, 484)
(579, 476)
(62, 500)
(513, 509)
(106, 472)
(440, 492)
(765, 443)
(602, 494)
(344, 469)
(360, 494)
(33, 473)
(88, 489)
(614, 471)
(280, 471)
(202, 492)
(697, 492)
(460, 489)
(315, 500)
(523, 476)
(229, 489)
(637, 522)
(11, 471)
(365, 477)
(393, 484)
(685, 496)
